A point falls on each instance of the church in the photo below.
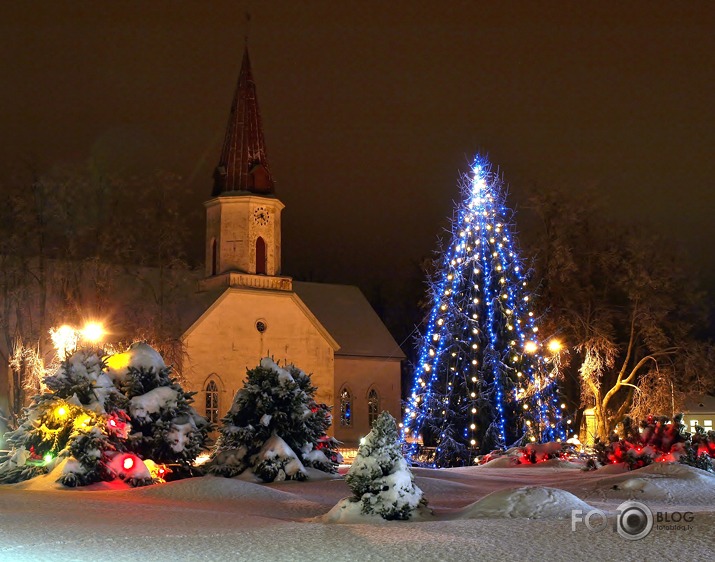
(246, 308)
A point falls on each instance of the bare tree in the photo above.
(623, 301)
(71, 243)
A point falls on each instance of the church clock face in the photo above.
(261, 216)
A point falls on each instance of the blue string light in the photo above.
(481, 381)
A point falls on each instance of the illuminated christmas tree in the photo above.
(106, 417)
(482, 381)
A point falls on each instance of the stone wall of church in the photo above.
(242, 327)
(360, 375)
(234, 223)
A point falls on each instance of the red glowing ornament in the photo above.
(128, 463)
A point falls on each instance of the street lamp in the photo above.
(555, 346)
(93, 332)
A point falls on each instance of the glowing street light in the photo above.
(555, 346)
(93, 332)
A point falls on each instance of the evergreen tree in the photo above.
(482, 381)
(274, 427)
(379, 476)
(105, 420)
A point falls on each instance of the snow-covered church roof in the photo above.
(350, 319)
(342, 310)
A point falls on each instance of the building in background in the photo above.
(246, 308)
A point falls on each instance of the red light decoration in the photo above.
(113, 423)
(128, 463)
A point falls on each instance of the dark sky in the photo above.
(371, 108)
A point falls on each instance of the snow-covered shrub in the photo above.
(380, 478)
(91, 413)
(657, 439)
(274, 427)
(532, 453)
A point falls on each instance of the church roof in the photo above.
(341, 309)
(243, 165)
(350, 320)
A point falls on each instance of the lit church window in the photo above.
(212, 402)
(346, 408)
(373, 406)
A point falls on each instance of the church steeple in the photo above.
(243, 216)
(243, 165)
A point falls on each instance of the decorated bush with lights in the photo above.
(381, 482)
(658, 439)
(275, 428)
(483, 381)
(100, 422)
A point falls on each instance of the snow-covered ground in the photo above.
(527, 517)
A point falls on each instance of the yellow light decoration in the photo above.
(118, 361)
(530, 347)
(64, 340)
(61, 412)
(81, 421)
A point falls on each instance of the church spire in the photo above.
(243, 165)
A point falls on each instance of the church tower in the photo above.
(243, 217)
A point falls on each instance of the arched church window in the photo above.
(260, 256)
(212, 402)
(214, 257)
(346, 408)
(373, 406)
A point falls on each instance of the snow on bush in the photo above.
(274, 427)
(657, 439)
(531, 502)
(553, 452)
(91, 415)
(381, 482)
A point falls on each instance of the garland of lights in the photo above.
(480, 363)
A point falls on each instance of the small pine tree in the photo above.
(380, 478)
(92, 413)
(274, 427)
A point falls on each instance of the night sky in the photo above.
(371, 109)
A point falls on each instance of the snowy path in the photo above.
(219, 519)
